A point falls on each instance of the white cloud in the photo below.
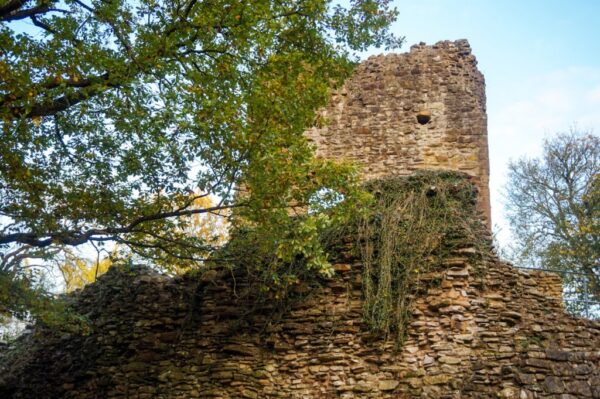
(594, 94)
(556, 99)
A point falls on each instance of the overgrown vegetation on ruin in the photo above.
(402, 232)
(411, 227)
(402, 235)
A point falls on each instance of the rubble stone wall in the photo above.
(501, 334)
(372, 119)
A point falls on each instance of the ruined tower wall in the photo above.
(372, 119)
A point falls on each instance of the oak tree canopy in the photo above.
(117, 116)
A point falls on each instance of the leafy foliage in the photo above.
(403, 228)
(25, 297)
(553, 205)
(77, 272)
(275, 270)
(114, 112)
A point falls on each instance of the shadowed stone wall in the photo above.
(372, 119)
(498, 334)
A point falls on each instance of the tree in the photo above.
(114, 111)
(553, 206)
(77, 271)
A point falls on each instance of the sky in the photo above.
(541, 62)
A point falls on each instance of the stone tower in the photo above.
(420, 110)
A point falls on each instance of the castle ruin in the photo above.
(484, 330)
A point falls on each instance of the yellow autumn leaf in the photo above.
(78, 272)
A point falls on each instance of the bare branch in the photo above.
(83, 5)
(42, 25)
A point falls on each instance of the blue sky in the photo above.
(541, 61)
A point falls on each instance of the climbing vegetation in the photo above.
(295, 258)
(403, 236)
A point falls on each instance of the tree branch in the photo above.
(42, 25)
(102, 83)
(11, 12)
(83, 5)
(10, 7)
(75, 238)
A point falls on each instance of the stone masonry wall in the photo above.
(498, 334)
(372, 119)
